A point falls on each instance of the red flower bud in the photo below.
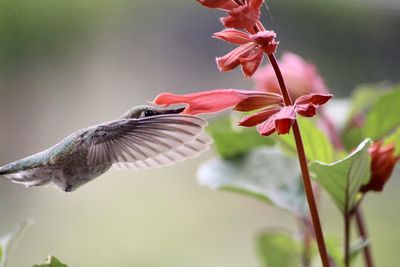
(383, 161)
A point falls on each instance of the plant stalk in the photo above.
(347, 217)
(362, 230)
(304, 169)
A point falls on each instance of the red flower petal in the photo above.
(267, 127)
(221, 4)
(258, 100)
(242, 17)
(316, 99)
(284, 119)
(231, 60)
(251, 63)
(306, 105)
(216, 100)
(281, 122)
(306, 110)
(264, 37)
(259, 117)
(233, 36)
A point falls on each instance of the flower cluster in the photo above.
(244, 29)
(274, 116)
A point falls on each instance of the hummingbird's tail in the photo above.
(30, 177)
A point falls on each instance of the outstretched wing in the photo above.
(148, 142)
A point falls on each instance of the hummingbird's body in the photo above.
(144, 137)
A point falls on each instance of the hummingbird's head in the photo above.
(149, 111)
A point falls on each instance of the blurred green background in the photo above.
(65, 65)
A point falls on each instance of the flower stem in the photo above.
(347, 239)
(304, 169)
(364, 235)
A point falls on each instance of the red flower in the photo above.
(245, 16)
(383, 161)
(274, 117)
(282, 118)
(220, 99)
(250, 52)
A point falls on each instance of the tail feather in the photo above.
(29, 178)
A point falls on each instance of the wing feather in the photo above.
(148, 142)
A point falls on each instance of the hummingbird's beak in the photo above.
(174, 111)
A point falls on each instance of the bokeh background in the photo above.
(65, 65)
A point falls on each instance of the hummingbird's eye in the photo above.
(148, 113)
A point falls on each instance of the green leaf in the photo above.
(278, 249)
(316, 144)
(384, 115)
(343, 179)
(394, 139)
(231, 141)
(363, 97)
(352, 137)
(51, 261)
(264, 173)
(8, 240)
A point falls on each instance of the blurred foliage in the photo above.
(32, 30)
(231, 141)
(278, 249)
(373, 114)
(394, 139)
(51, 261)
(264, 173)
(362, 98)
(384, 115)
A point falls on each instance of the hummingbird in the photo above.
(144, 137)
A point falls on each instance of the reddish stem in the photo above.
(369, 262)
(303, 164)
(304, 169)
(347, 239)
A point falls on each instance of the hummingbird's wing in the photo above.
(148, 142)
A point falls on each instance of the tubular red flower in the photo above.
(249, 54)
(383, 161)
(243, 17)
(274, 117)
(220, 99)
(282, 118)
